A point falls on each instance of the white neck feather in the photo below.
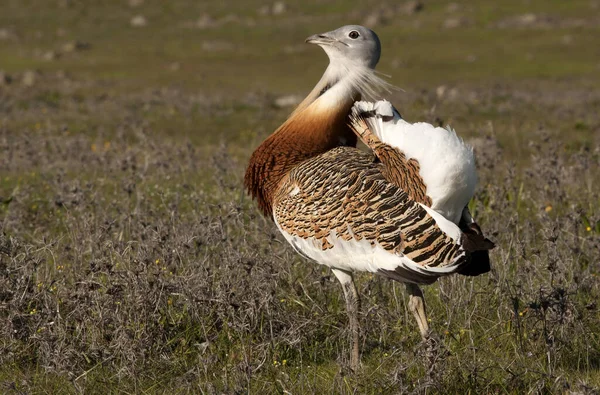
(344, 82)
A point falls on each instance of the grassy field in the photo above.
(132, 261)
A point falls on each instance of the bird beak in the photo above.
(321, 39)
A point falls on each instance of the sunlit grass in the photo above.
(132, 260)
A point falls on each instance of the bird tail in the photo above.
(478, 245)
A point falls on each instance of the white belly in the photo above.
(362, 256)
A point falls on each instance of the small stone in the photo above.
(69, 47)
(287, 101)
(138, 21)
(29, 77)
(373, 20)
(453, 7)
(278, 8)
(440, 91)
(527, 19)
(471, 58)
(411, 7)
(533, 21)
(205, 21)
(73, 46)
(50, 55)
(5, 34)
(383, 15)
(454, 22)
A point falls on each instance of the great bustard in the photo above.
(399, 211)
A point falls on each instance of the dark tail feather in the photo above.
(478, 245)
(479, 264)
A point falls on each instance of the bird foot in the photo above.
(433, 351)
(349, 368)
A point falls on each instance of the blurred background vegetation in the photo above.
(131, 259)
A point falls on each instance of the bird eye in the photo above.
(354, 34)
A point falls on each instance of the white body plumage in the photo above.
(362, 256)
(446, 162)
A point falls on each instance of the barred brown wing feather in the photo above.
(340, 210)
(396, 167)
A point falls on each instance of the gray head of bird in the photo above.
(353, 53)
(350, 44)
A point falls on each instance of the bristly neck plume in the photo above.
(345, 80)
(319, 124)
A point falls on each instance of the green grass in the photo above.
(132, 261)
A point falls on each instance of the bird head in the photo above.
(350, 44)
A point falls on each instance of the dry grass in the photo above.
(132, 261)
(140, 263)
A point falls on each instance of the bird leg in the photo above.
(352, 306)
(416, 305)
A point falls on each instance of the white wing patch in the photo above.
(447, 164)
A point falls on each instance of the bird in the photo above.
(398, 210)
